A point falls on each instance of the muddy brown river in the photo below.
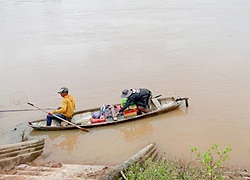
(196, 49)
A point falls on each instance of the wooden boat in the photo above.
(19, 153)
(84, 118)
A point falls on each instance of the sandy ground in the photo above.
(40, 169)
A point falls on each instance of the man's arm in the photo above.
(128, 102)
(63, 108)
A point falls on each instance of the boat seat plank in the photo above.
(156, 103)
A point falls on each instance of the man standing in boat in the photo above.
(140, 97)
(66, 110)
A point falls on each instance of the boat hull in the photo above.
(82, 118)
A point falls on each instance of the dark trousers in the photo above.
(50, 118)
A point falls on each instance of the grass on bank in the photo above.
(208, 166)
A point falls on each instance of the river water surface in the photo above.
(196, 49)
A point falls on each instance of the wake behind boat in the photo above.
(87, 118)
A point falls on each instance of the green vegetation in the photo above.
(210, 162)
(208, 167)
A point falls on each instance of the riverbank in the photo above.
(145, 164)
(40, 168)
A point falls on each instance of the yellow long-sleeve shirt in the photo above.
(68, 106)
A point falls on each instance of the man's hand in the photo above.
(117, 114)
(50, 113)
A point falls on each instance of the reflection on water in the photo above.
(136, 131)
(59, 141)
(100, 140)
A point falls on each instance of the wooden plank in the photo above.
(156, 103)
(8, 163)
(19, 148)
(21, 144)
(147, 151)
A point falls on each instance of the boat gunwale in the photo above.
(151, 113)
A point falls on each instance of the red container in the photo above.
(100, 120)
(130, 112)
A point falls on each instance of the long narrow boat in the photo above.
(85, 118)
